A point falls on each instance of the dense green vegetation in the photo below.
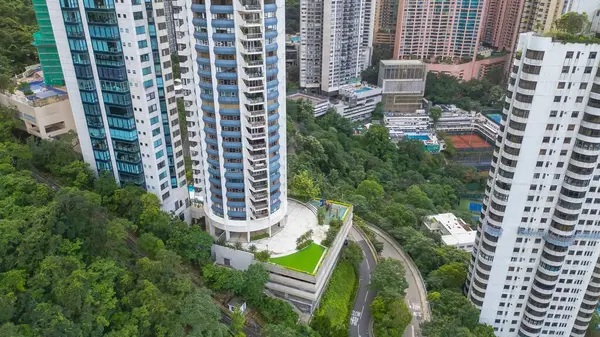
(17, 25)
(292, 16)
(475, 94)
(92, 259)
(390, 313)
(390, 186)
(331, 318)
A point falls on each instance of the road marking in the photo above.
(368, 266)
(367, 294)
(363, 308)
(412, 330)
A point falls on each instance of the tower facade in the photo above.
(336, 39)
(500, 25)
(429, 29)
(44, 41)
(386, 15)
(233, 72)
(117, 68)
(535, 269)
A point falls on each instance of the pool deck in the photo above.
(300, 219)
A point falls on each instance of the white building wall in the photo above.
(237, 50)
(336, 39)
(536, 247)
(173, 199)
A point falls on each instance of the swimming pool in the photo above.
(362, 90)
(495, 117)
(418, 137)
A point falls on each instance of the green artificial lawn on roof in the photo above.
(305, 260)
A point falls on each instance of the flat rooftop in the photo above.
(314, 100)
(41, 94)
(469, 141)
(453, 229)
(401, 62)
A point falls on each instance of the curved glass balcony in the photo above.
(199, 22)
(222, 23)
(272, 84)
(229, 184)
(210, 130)
(270, 8)
(233, 134)
(225, 37)
(233, 214)
(234, 175)
(273, 106)
(207, 119)
(270, 34)
(202, 48)
(225, 50)
(273, 159)
(272, 71)
(208, 108)
(221, 75)
(272, 118)
(236, 204)
(229, 100)
(271, 47)
(272, 94)
(235, 194)
(274, 148)
(273, 128)
(201, 36)
(270, 21)
(233, 166)
(274, 187)
(226, 63)
(227, 88)
(221, 9)
(203, 61)
(229, 112)
(272, 59)
(233, 155)
(229, 123)
(198, 8)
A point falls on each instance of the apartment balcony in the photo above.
(252, 74)
(258, 165)
(251, 36)
(254, 113)
(253, 62)
(258, 177)
(254, 87)
(258, 197)
(251, 6)
(255, 99)
(257, 135)
(259, 206)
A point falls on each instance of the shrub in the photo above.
(331, 234)
(331, 319)
(321, 215)
(304, 244)
(259, 236)
(263, 256)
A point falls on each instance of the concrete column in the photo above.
(270, 230)
(248, 233)
(227, 235)
(211, 229)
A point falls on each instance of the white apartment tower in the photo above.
(117, 68)
(535, 269)
(232, 57)
(336, 39)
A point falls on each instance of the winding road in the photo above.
(360, 318)
(416, 294)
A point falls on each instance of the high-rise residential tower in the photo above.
(539, 15)
(535, 269)
(233, 72)
(386, 14)
(336, 38)
(44, 41)
(116, 63)
(430, 29)
(500, 26)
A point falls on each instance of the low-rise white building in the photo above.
(454, 231)
(357, 101)
(320, 104)
(398, 124)
(44, 110)
(454, 120)
(486, 127)
(302, 288)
